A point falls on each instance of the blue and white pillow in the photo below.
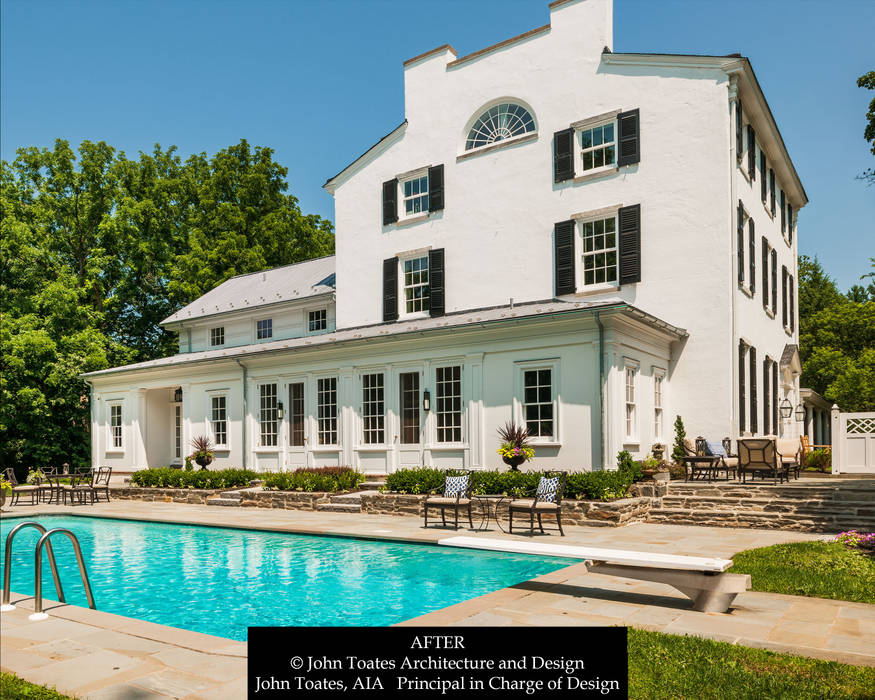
(547, 489)
(455, 485)
(715, 449)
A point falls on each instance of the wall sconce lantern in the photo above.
(800, 413)
(279, 410)
(426, 401)
(177, 395)
(786, 409)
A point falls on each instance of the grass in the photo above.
(12, 686)
(671, 666)
(817, 569)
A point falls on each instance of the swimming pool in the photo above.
(221, 580)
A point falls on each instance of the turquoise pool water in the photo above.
(221, 580)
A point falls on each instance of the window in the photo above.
(317, 320)
(219, 420)
(415, 191)
(326, 410)
(752, 255)
(740, 243)
(658, 379)
(765, 260)
(774, 256)
(448, 408)
(115, 426)
(792, 299)
(631, 406)
(499, 123)
(600, 251)
(416, 289)
(296, 414)
(177, 431)
(267, 415)
(763, 182)
(409, 408)
(373, 409)
(598, 146)
(538, 402)
(264, 329)
(217, 336)
(784, 310)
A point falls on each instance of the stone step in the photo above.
(219, 501)
(372, 484)
(763, 503)
(813, 522)
(339, 507)
(355, 497)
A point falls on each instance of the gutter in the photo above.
(602, 390)
(245, 413)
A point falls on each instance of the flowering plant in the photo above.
(510, 451)
(515, 448)
(203, 451)
(5, 484)
(860, 540)
(35, 476)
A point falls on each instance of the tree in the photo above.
(679, 451)
(868, 81)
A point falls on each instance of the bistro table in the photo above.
(485, 500)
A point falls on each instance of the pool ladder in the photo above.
(38, 613)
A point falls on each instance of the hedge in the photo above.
(314, 479)
(167, 477)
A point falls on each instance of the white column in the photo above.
(473, 388)
(809, 429)
(347, 402)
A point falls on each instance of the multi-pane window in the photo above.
(416, 290)
(373, 409)
(177, 431)
(409, 386)
(296, 414)
(415, 195)
(538, 402)
(326, 410)
(631, 406)
(217, 336)
(600, 251)
(317, 320)
(448, 408)
(264, 329)
(268, 415)
(499, 122)
(658, 380)
(598, 146)
(219, 419)
(115, 425)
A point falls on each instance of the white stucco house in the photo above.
(588, 242)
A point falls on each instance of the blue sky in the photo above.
(321, 81)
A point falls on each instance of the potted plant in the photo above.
(203, 451)
(654, 469)
(515, 448)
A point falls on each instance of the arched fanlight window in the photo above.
(498, 123)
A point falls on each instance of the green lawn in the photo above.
(819, 569)
(13, 687)
(670, 666)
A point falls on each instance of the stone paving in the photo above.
(97, 655)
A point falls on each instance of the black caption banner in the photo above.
(433, 662)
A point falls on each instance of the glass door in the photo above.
(409, 403)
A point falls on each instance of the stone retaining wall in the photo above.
(137, 493)
(286, 500)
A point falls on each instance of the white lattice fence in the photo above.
(853, 442)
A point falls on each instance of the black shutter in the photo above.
(629, 143)
(752, 254)
(742, 398)
(775, 396)
(739, 131)
(792, 297)
(563, 155)
(753, 391)
(783, 212)
(784, 294)
(436, 285)
(763, 183)
(772, 191)
(790, 222)
(563, 247)
(765, 260)
(390, 289)
(740, 242)
(751, 153)
(390, 202)
(436, 188)
(630, 244)
(774, 281)
(767, 411)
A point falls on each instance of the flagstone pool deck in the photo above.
(99, 655)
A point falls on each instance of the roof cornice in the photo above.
(332, 183)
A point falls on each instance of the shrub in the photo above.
(415, 480)
(678, 451)
(820, 460)
(858, 540)
(314, 479)
(166, 477)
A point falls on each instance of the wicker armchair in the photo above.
(455, 495)
(546, 500)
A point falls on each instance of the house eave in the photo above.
(332, 183)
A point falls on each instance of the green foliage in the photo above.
(678, 451)
(167, 477)
(416, 480)
(868, 81)
(96, 248)
(11, 686)
(820, 460)
(314, 479)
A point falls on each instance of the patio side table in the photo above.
(486, 501)
(706, 464)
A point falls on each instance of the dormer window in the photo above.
(264, 329)
(317, 321)
(499, 123)
(217, 336)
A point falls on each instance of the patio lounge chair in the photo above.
(19, 489)
(760, 456)
(547, 500)
(455, 495)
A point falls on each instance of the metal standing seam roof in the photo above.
(459, 319)
(288, 283)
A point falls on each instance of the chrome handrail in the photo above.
(7, 562)
(38, 571)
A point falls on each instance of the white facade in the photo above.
(614, 351)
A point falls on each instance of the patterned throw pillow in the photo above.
(455, 485)
(547, 489)
(715, 449)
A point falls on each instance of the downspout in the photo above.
(245, 413)
(602, 389)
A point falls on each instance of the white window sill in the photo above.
(325, 448)
(116, 451)
(371, 448)
(631, 442)
(267, 450)
(591, 289)
(419, 316)
(440, 446)
(747, 290)
(769, 312)
(546, 443)
(787, 240)
(768, 210)
(222, 448)
(507, 143)
(595, 174)
(410, 220)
